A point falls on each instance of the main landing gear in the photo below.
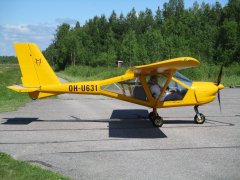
(199, 117)
(156, 120)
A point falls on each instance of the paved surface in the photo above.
(94, 137)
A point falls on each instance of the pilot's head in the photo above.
(154, 79)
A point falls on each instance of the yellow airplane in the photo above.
(135, 86)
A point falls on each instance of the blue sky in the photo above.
(36, 20)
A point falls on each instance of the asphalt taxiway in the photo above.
(95, 137)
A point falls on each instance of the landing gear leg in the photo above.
(156, 120)
(199, 117)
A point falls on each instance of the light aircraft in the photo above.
(40, 81)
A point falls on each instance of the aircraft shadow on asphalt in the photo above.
(123, 123)
(132, 123)
(20, 120)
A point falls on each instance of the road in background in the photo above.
(95, 137)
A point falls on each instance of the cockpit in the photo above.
(174, 90)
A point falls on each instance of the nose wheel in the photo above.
(156, 120)
(199, 117)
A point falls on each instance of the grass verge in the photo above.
(86, 73)
(19, 170)
(10, 100)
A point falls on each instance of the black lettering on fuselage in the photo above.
(75, 88)
(83, 88)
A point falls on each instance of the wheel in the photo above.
(151, 115)
(199, 119)
(157, 121)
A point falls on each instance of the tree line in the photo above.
(206, 32)
(8, 60)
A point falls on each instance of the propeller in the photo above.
(218, 82)
(219, 100)
(219, 76)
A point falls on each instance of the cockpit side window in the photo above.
(173, 92)
(183, 79)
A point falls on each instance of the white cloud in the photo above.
(20, 28)
(41, 34)
(69, 21)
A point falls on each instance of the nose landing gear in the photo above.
(199, 117)
(156, 120)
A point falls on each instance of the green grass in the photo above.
(86, 73)
(19, 170)
(205, 72)
(10, 100)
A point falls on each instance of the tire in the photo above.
(199, 119)
(157, 121)
(151, 115)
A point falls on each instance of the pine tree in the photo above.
(130, 49)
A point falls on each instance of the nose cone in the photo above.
(220, 86)
(205, 92)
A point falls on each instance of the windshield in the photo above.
(182, 78)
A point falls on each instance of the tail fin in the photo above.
(34, 67)
(36, 71)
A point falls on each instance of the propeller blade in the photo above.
(219, 76)
(219, 101)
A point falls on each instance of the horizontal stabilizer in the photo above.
(20, 88)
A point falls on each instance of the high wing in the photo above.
(165, 66)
